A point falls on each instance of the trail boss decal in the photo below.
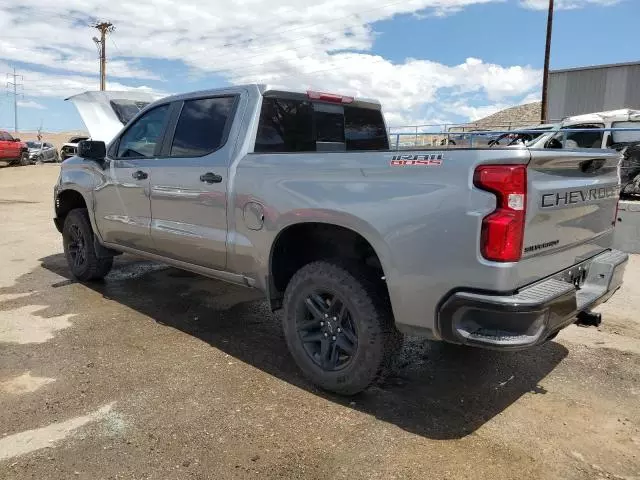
(426, 160)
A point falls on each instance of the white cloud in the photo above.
(60, 86)
(475, 113)
(300, 43)
(31, 104)
(567, 4)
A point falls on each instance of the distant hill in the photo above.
(514, 117)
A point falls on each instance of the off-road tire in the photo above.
(77, 227)
(365, 297)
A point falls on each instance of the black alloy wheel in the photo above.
(77, 247)
(327, 330)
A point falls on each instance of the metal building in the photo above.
(598, 88)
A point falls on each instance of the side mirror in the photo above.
(92, 150)
(16, 139)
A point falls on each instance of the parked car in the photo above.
(593, 134)
(42, 152)
(12, 150)
(70, 148)
(298, 195)
(472, 138)
(522, 135)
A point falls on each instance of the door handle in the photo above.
(211, 178)
(139, 175)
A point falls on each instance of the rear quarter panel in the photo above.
(422, 221)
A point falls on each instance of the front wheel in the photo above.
(338, 326)
(79, 249)
(24, 159)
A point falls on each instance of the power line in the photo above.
(15, 84)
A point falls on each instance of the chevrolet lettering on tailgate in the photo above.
(578, 196)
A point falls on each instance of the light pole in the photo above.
(545, 74)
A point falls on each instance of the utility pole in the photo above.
(104, 28)
(15, 84)
(545, 74)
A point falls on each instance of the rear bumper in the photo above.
(531, 315)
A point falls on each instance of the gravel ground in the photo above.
(157, 373)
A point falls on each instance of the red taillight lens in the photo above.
(503, 230)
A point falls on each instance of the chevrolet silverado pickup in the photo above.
(298, 195)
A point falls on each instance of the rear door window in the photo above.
(202, 126)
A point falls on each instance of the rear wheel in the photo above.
(338, 326)
(77, 240)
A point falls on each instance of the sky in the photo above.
(427, 61)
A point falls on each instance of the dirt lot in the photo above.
(157, 373)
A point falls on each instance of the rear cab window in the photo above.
(288, 125)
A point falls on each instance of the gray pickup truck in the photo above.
(297, 194)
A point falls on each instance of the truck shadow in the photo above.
(433, 390)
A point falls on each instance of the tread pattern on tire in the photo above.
(370, 298)
(97, 267)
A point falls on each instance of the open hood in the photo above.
(105, 113)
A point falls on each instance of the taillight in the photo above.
(503, 229)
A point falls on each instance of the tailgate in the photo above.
(571, 207)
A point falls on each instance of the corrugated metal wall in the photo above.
(574, 92)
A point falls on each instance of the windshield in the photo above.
(34, 145)
(536, 136)
(77, 139)
(127, 109)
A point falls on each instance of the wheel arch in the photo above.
(67, 200)
(303, 242)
